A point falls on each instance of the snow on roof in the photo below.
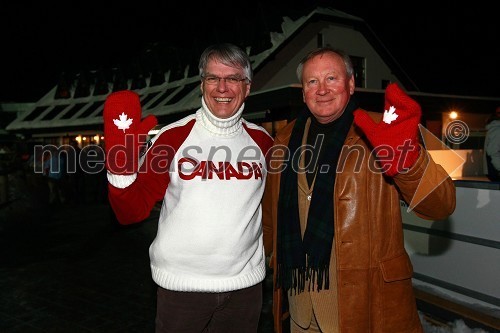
(168, 98)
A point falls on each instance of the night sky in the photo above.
(447, 50)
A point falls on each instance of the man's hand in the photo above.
(395, 138)
(124, 132)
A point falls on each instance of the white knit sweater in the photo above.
(209, 235)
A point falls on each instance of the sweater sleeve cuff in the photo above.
(121, 181)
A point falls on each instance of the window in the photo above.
(358, 64)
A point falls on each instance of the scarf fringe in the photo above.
(294, 279)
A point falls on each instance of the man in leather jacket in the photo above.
(332, 217)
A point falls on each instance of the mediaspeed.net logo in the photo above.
(91, 159)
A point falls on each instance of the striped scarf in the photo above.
(292, 251)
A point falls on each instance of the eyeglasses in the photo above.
(230, 80)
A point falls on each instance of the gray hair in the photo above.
(227, 54)
(322, 50)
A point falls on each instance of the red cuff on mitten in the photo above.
(124, 132)
(395, 138)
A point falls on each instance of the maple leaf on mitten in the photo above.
(124, 132)
(395, 138)
(123, 123)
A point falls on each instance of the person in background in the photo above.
(5, 169)
(209, 169)
(332, 214)
(492, 146)
(74, 175)
(54, 170)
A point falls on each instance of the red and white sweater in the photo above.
(210, 174)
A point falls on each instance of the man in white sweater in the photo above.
(209, 169)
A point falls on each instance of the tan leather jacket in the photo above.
(373, 269)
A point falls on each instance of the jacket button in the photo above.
(309, 197)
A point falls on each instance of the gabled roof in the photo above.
(182, 95)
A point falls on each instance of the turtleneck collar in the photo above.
(218, 126)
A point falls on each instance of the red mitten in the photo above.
(124, 131)
(395, 138)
